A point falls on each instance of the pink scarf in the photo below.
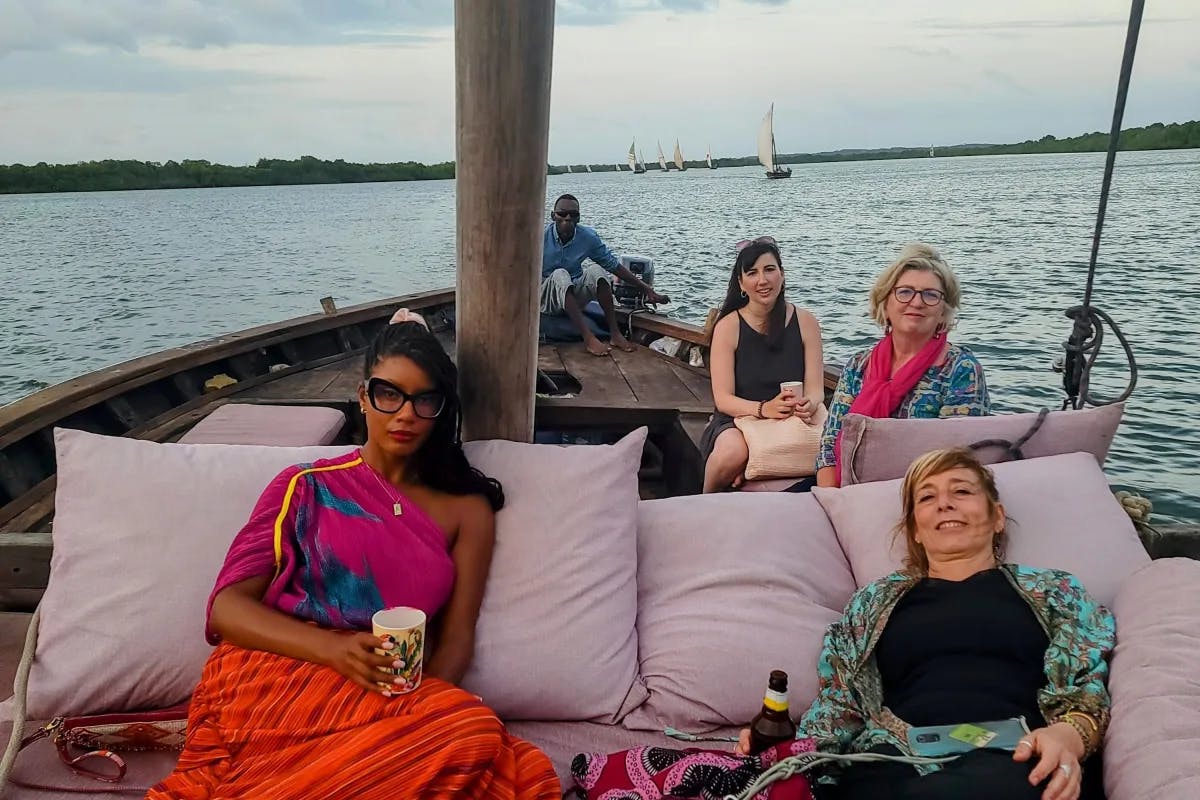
(882, 393)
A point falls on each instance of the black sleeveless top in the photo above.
(757, 372)
(963, 651)
(757, 369)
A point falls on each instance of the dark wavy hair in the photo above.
(440, 463)
(734, 299)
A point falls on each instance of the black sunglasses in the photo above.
(387, 398)
(567, 214)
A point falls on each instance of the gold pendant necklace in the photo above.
(397, 508)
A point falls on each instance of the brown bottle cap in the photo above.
(778, 680)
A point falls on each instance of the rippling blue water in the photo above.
(93, 279)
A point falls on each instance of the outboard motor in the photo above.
(629, 295)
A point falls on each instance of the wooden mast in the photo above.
(503, 51)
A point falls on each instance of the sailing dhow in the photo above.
(767, 156)
(637, 164)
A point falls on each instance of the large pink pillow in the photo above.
(556, 638)
(731, 586)
(1153, 743)
(140, 532)
(1062, 516)
(881, 449)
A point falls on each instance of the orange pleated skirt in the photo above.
(269, 727)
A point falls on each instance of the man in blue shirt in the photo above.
(567, 285)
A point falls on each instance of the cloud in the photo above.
(1035, 24)
(117, 71)
(129, 25)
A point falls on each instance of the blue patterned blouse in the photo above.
(955, 388)
(848, 715)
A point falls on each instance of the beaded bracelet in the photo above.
(1084, 736)
(760, 408)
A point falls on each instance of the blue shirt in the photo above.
(586, 243)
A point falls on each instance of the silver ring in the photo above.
(1025, 742)
(1066, 770)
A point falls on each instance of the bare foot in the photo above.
(595, 346)
(618, 340)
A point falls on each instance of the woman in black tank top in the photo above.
(760, 341)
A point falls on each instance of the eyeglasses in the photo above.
(389, 399)
(744, 243)
(567, 214)
(929, 297)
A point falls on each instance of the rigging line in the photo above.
(1114, 136)
(1087, 333)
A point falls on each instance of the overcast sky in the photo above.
(373, 80)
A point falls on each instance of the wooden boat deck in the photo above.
(632, 388)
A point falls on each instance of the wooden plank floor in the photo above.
(641, 379)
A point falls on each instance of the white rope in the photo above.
(796, 765)
(20, 691)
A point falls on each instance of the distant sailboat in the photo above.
(708, 158)
(589, 167)
(931, 151)
(568, 169)
(679, 165)
(662, 160)
(641, 163)
(637, 164)
(617, 167)
(766, 148)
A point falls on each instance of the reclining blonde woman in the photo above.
(959, 636)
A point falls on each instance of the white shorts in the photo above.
(554, 288)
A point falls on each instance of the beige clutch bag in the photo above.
(782, 448)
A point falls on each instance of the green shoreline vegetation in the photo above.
(114, 175)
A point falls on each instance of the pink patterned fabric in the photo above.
(659, 773)
(343, 551)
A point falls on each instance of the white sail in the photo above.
(708, 156)
(617, 167)
(662, 160)
(642, 159)
(568, 169)
(678, 156)
(633, 159)
(589, 167)
(766, 141)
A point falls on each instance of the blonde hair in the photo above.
(935, 462)
(921, 257)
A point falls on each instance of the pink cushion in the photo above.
(1153, 743)
(731, 586)
(140, 531)
(280, 426)
(882, 449)
(1062, 516)
(556, 638)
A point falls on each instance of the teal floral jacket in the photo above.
(848, 715)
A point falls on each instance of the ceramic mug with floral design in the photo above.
(405, 628)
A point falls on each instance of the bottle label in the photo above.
(776, 701)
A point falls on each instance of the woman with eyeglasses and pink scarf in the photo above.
(759, 342)
(914, 370)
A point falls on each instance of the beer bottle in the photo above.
(772, 725)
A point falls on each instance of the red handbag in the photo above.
(88, 745)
